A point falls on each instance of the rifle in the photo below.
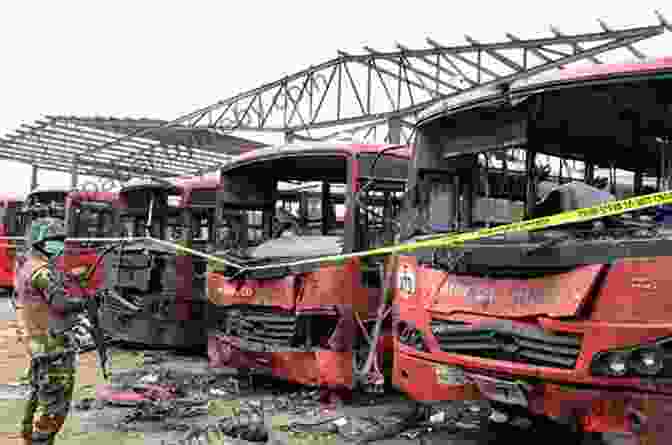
(91, 306)
(93, 313)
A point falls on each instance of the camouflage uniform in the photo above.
(45, 312)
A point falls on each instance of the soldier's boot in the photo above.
(27, 438)
(45, 430)
(42, 438)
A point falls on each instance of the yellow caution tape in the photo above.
(575, 216)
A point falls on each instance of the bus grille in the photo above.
(504, 340)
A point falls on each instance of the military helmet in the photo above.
(42, 228)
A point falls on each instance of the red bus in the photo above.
(11, 225)
(158, 295)
(89, 215)
(307, 324)
(567, 324)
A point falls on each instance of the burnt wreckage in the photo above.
(11, 225)
(309, 324)
(157, 295)
(519, 318)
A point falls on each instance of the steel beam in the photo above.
(28, 152)
(431, 69)
(577, 48)
(394, 130)
(505, 79)
(73, 173)
(637, 53)
(635, 34)
(67, 140)
(64, 146)
(33, 177)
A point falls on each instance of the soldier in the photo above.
(46, 314)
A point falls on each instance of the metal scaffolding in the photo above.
(350, 94)
(364, 91)
(107, 147)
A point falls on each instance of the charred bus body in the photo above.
(90, 215)
(570, 323)
(157, 295)
(85, 215)
(304, 323)
(11, 225)
(45, 201)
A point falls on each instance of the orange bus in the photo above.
(569, 324)
(308, 324)
(11, 225)
(157, 295)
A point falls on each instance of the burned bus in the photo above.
(85, 215)
(567, 324)
(157, 294)
(45, 201)
(307, 323)
(89, 215)
(53, 202)
(11, 226)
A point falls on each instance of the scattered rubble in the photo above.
(181, 396)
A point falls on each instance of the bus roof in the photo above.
(316, 148)
(661, 66)
(49, 190)
(196, 183)
(77, 197)
(9, 197)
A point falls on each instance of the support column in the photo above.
(267, 218)
(394, 130)
(531, 193)
(638, 182)
(73, 172)
(289, 137)
(188, 223)
(33, 178)
(326, 208)
(589, 172)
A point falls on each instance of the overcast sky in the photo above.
(161, 59)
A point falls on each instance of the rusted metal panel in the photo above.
(559, 295)
(636, 290)
(279, 293)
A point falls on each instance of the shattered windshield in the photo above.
(143, 205)
(501, 164)
(92, 220)
(13, 218)
(302, 206)
(297, 226)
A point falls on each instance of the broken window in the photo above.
(289, 202)
(92, 220)
(504, 162)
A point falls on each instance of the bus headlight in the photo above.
(648, 360)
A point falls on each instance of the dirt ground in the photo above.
(13, 363)
(14, 360)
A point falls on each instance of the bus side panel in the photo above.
(7, 260)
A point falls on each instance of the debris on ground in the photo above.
(193, 402)
(85, 404)
(151, 378)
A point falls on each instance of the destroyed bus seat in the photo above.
(572, 196)
(314, 226)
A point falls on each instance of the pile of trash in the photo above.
(185, 397)
(257, 421)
